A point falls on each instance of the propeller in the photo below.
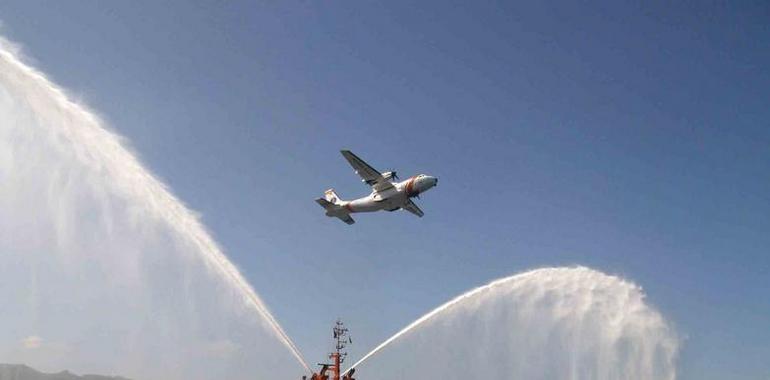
(394, 175)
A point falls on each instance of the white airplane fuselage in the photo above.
(391, 199)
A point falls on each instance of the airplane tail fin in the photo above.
(332, 203)
(331, 196)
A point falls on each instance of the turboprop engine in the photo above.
(390, 176)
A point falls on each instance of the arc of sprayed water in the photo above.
(253, 299)
(165, 204)
(434, 312)
(655, 344)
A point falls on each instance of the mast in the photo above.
(341, 340)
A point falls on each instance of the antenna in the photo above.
(342, 338)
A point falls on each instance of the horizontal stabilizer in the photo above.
(346, 218)
(325, 204)
(335, 210)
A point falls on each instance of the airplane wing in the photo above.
(411, 207)
(370, 175)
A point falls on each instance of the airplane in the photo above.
(386, 193)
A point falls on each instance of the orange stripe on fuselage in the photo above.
(349, 207)
(410, 187)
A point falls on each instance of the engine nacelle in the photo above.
(390, 175)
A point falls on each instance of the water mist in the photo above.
(103, 269)
(559, 323)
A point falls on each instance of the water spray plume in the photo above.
(565, 323)
(71, 189)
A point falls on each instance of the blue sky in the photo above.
(629, 138)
